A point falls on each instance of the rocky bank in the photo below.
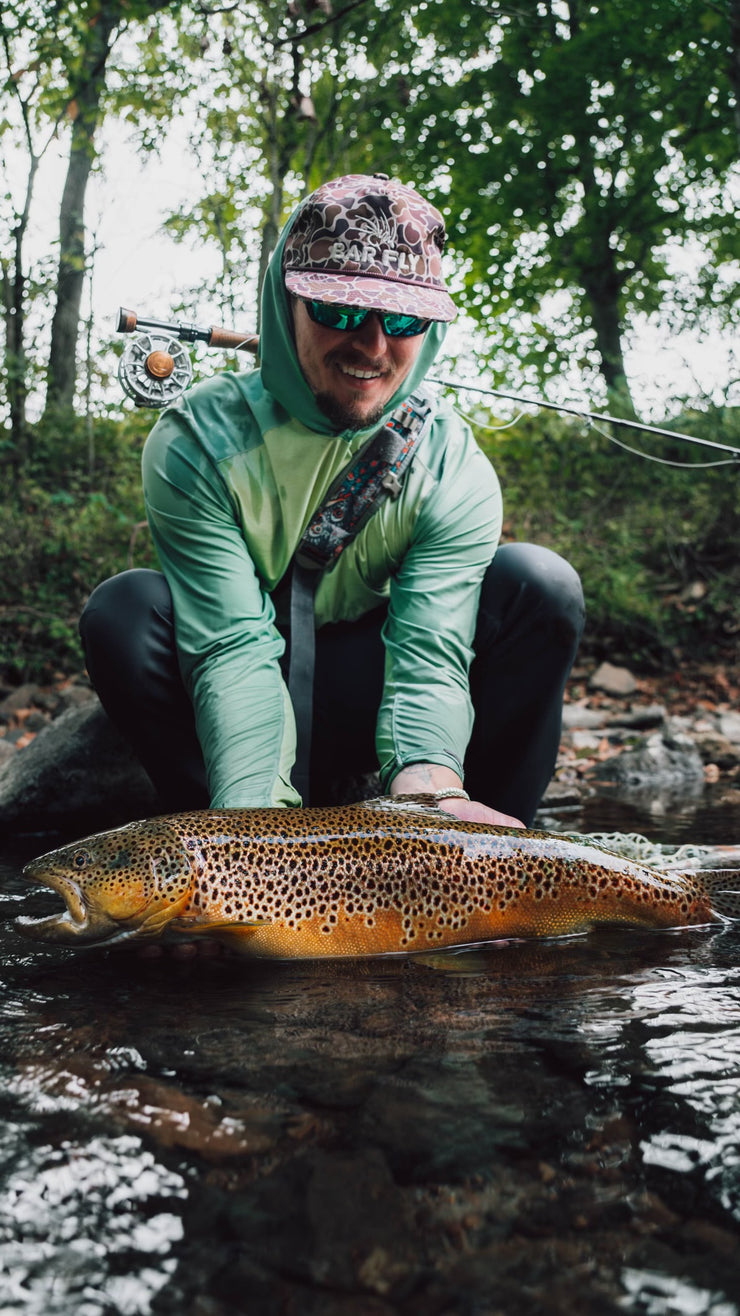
(64, 769)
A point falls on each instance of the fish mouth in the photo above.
(71, 925)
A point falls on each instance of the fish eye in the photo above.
(80, 859)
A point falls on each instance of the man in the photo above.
(436, 661)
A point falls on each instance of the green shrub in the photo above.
(656, 546)
(67, 527)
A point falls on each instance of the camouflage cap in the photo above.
(369, 241)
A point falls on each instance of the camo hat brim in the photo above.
(369, 241)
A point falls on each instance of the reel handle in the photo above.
(126, 322)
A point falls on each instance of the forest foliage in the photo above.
(656, 545)
(585, 155)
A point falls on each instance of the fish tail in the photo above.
(723, 889)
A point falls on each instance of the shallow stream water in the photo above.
(531, 1128)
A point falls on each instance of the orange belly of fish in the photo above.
(388, 932)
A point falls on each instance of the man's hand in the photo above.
(474, 811)
(426, 778)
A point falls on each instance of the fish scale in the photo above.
(381, 877)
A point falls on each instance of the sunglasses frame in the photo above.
(418, 325)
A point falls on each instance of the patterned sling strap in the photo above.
(374, 474)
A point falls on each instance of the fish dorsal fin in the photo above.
(420, 803)
(723, 888)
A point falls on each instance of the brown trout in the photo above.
(382, 877)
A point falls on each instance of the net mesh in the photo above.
(631, 845)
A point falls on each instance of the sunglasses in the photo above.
(350, 318)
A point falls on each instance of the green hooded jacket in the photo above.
(232, 475)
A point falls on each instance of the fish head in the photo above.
(115, 885)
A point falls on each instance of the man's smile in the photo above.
(358, 372)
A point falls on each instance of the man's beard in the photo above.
(347, 418)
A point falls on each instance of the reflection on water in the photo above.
(707, 818)
(526, 1128)
(662, 1295)
(71, 1215)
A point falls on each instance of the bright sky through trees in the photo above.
(584, 154)
(138, 264)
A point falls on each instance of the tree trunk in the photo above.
(271, 226)
(281, 142)
(597, 270)
(87, 95)
(14, 311)
(734, 60)
(603, 287)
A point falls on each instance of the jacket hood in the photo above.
(279, 369)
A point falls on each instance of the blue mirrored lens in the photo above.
(336, 317)
(403, 326)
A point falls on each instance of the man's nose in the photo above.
(370, 335)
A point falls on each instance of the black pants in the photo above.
(529, 624)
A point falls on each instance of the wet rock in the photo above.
(707, 1235)
(76, 773)
(361, 1235)
(270, 1294)
(613, 680)
(439, 1119)
(177, 1119)
(342, 1087)
(338, 1220)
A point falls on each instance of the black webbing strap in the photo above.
(373, 475)
(300, 671)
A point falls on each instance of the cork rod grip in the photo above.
(232, 338)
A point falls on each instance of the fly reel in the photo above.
(155, 368)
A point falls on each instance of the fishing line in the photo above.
(591, 417)
(662, 461)
(155, 372)
(488, 429)
(611, 438)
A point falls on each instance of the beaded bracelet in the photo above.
(450, 793)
